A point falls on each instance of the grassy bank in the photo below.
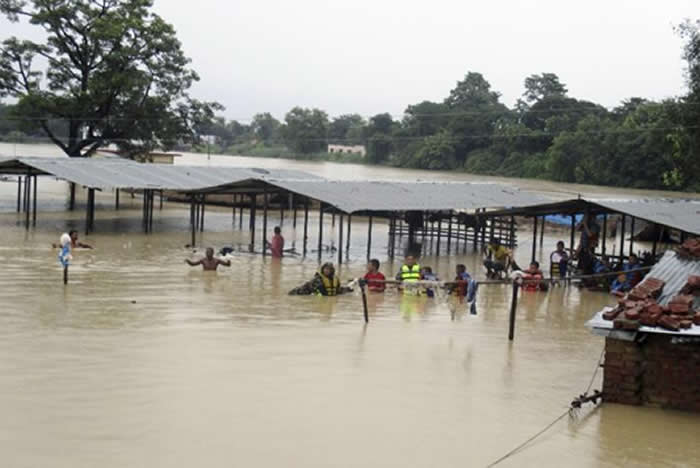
(280, 151)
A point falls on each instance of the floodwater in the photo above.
(143, 361)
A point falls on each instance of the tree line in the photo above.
(115, 73)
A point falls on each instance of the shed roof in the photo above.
(111, 173)
(375, 196)
(674, 270)
(681, 214)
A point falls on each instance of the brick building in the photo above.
(655, 365)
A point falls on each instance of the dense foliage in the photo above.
(108, 72)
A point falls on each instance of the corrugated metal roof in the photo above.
(677, 214)
(111, 173)
(674, 271)
(681, 214)
(356, 196)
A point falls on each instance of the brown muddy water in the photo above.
(144, 361)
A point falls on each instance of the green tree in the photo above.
(436, 152)
(472, 93)
(115, 73)
(347, 129)
(306, 130)
(380, 142)
(265, 127)
(538, 87)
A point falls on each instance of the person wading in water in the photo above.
(209, 262)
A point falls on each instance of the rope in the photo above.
(551, 424)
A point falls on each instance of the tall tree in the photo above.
(265, 127)
(306, 130)
(538, 87)
(472, 92)
(380, 138)
(346, 129)
(115, 73)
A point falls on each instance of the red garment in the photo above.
(374, 285)
(532, 285)
(277, 246)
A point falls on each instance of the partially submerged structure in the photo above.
(444, 212)
(651, 359)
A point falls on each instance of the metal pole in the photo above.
(294, 207)
(320, 230)
(281, 214)
(513, 309)
(240, 213)
(632, 236)
(19, 194)
(306, 223)
(264, 233)
(512, 232)
(622, 238)
(340, 240)
(534, 239)
(36, 182)
(253, 207)
(28, 206)
(233, 210)
(364, 302)
(116, 199)
(369, 237)
(347, 242)
(542, 231)
(88, 212)
(71, 201)
(160, 196)
(656, 239)
(65, 274)
(193, 222)
(477, 221)
(204, 204)
(439, 233)
(449, 234)
(605, 231)
(573, 232)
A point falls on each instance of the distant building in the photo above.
(357, 149)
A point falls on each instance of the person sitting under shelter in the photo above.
(324, 283)
(559, 262)
(209, 262)
(374, 278)
(497, 258)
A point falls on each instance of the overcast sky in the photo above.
(371, 56)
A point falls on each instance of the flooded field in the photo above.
(144, 361)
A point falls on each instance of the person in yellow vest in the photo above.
(324, 283)
(410, 272)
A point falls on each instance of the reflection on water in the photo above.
(144, 361)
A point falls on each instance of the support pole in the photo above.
(632, 236)
(512, 232)
(150, 213)
(347, 241)
(477, 221)
(264, 232)
(28, 206)
(65, 274)
(281, 214)
(71, 200)
(160, 199)
(449, 234)
(34, 202)
(240, 212)
(573, 233)
(369, 237)
(253, 203)
(19, 194)
(233, 210)
(116, 199)
(513, 309)
(542, 231)
(306, 224)
(193, 222)
(605, 232)
(534, 238)
(657, 237)
(201, 221)
(320, 231)
(364, 301)
(439, 233)
(340, 240)
(622, 239)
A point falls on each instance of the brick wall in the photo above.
(654, 372)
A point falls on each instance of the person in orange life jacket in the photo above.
(324, 283)
(535, 275)
(375, 279)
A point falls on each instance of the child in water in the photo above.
(375, 279)
(427, 274)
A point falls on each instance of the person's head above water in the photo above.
(410, 260)
(427, 270)
(633, 258)
(560, 246)
(328, 270)
(73, 235)
(278, 230)
(461, 269)
(209, 253)
(534, 266)
(373, 266)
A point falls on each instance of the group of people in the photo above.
(326, 283)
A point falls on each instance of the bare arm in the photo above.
(191, 263)
(226, 263)
(83, 246)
